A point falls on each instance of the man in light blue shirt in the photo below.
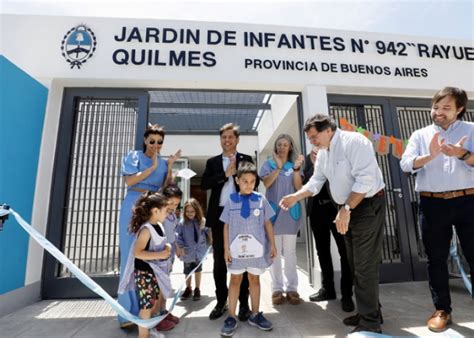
(347, 160)
(441, 156)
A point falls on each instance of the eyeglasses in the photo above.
(157, 142)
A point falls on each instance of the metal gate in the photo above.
(97, 128)
(403, 257)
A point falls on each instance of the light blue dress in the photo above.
(134, 162)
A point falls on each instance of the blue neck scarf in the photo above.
(287, 166)
(245, 199)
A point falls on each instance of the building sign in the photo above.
(185, 47)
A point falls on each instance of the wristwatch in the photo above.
(347, 207)
(465, 156)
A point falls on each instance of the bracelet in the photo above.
(296, 169)
(279, 168)
(466, 155)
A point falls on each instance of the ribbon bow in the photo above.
(287, 166)
(245, 199)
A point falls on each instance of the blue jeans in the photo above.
(438, 215)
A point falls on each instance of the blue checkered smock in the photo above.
(253, 225)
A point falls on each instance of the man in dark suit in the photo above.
(219, 177)
(322, 212)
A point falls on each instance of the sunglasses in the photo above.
(157, 142)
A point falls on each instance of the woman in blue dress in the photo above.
(143, 171)
(283, 175)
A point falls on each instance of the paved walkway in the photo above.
(406, 307)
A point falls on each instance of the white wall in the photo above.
(43, 181)
(205, 145)
(37, 51)
(282, 118)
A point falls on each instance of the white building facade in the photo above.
(56, 66)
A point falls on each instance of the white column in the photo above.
(39, 218)
(314, 99)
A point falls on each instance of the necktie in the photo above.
(245, 211)
(196, 234)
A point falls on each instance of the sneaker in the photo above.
(165, 325)
(197, 294)
(277, 298)
(230, 325)
(260, 321)
(187, 293)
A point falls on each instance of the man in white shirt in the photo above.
(347, 160)
(441, 156)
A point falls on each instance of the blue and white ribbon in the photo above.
(453, 250)
(89, 282)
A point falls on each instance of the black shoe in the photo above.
(355, 319)
(187, 293)
(244, 313)
(347, 304)
(218, 311)
(352, 320)
(197, 294)
(321, 295)
(360, 328)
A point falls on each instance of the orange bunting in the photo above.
(398, 149)
(381, 143)
(350, 127)
(343, 122)
(383, 146)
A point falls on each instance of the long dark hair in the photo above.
(142, 209)
(172, 190)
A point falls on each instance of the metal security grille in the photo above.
(104, 131)
(411, 119)
(370, 117)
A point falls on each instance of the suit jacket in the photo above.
(323, 195)
(214, 179)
